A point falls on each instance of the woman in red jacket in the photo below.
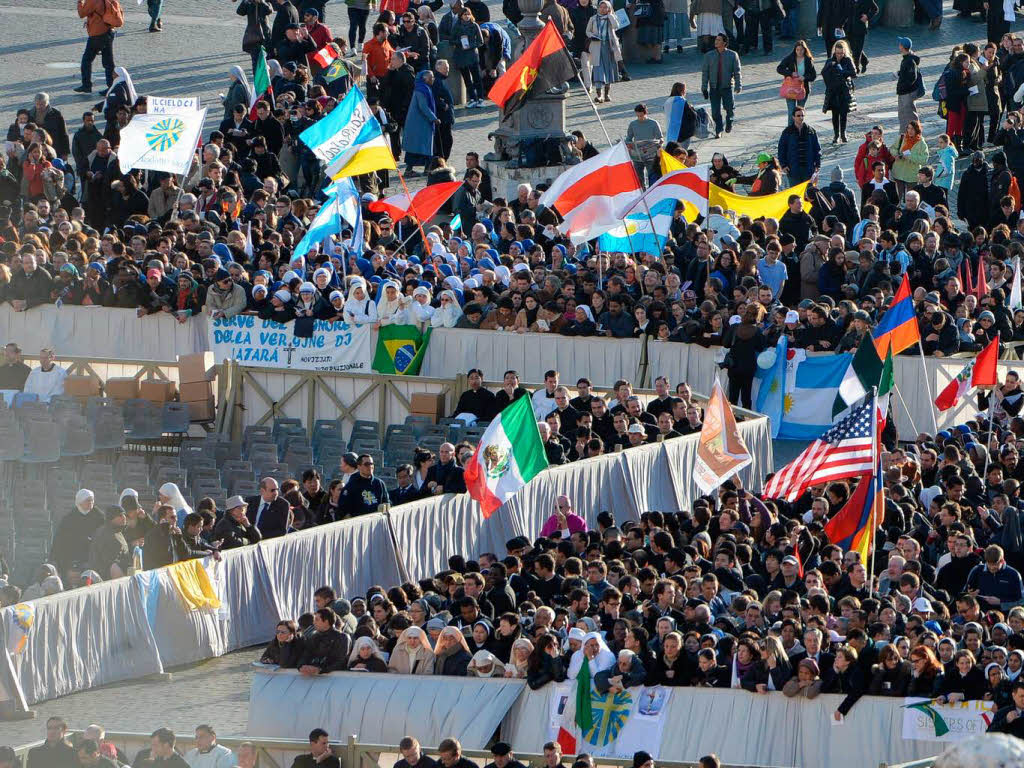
(32, 171)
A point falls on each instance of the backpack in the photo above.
(702, 127)
(113, 14)
(939, 90)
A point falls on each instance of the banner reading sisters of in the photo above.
(334, 346)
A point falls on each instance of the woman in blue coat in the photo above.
(420, 122)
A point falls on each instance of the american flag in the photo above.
(843, 451)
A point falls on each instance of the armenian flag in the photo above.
(898, 326)
(544, 65)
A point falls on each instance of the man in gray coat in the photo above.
(720, 71)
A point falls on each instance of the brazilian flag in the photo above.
(335, 69)
(400, 349)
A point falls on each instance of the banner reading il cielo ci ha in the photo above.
(334, 345)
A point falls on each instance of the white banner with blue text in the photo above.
(334, 345)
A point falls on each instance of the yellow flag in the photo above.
(765, 205)
(193, 584)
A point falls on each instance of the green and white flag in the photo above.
(866, 371)
(510, 455)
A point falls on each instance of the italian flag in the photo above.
(261, 90)
(510, 455)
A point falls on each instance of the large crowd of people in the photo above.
(739, 591)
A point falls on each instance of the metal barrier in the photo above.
(279, 753)
(928, 762)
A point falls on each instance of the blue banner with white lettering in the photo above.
(334, 345)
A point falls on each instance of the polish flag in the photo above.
(590, 195)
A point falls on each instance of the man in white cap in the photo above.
(235, 529)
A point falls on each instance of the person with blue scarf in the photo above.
(418, 137)
(681, 116)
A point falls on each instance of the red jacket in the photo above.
(321, 35)
(862, 170)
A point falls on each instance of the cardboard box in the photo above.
(427, 404)
(192, 368)
(195, 391)
(157, 390)
(82, 386)
(126, 388)
(202, 410)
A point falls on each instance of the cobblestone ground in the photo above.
(202, 39)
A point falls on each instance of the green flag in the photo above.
(886, 382)
(865, 372)
(584, 707)
(336, 69)
(400, 349)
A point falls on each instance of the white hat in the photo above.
(235, 501)
(307, 287)
(283, 295)
(636, 429)
(792, 316)
(735, 320)
(922, 605)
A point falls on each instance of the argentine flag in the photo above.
(342, 204)
(349, 140)
(801, 409)
(635, 234)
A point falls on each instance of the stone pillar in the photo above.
(898, 13)
(543, 116)
(807, 26)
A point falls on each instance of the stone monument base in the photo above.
(505, 181)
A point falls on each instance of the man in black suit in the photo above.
(446, 475)
(813, 650)
(268, 511)
(320, 755)
(406, 490)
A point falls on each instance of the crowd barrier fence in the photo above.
(108, 335)
(743, 728)
(73, 646)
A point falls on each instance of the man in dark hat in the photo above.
(643, 759)
(503, 757)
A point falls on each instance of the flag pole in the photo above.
(991, 411)
(593, 106)
(927, 385)
(872, 524)
(910, 416)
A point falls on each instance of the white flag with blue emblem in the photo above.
(161, 142)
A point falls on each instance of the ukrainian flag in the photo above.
(349, 140)
(898, 326)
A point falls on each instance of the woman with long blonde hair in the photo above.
(838, 74)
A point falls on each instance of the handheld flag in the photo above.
(981, 284)
(898, 326)
(349, 140)
(860, 378)
(509, 455)
(689, 185)
(335, 70)
(590, 194)
(261, 88)
(325, 55)
(423, 205)
(979, 372)
(1016, 299)
(756, 206)
(721, 452)
(544, 65)
(853, 527)
(845, 450)
(160, 142)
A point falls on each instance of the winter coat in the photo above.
(418, 136)
(973, 686)
(977, 102)
(838, 77)
(787, 68)
(906, 80)
(595, 43)
(636, 675)
(890, 682)
(745, 342)
(462, 57)
(906, 168)
(789, 150)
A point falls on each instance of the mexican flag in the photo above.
(866, 370)
(400, 349)
(261, 90)
(510, 455)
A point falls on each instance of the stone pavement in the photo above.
(202, 40)
(214, 692)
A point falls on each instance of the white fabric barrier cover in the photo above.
(103, 332)
(602, 360)
(73, 645)
(655, 476)
(81, 639)
(379, 708)
(755, 729)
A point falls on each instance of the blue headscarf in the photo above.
(422, 88)
(365, 267)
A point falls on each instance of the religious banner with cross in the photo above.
(332, 346)
(621, 722)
